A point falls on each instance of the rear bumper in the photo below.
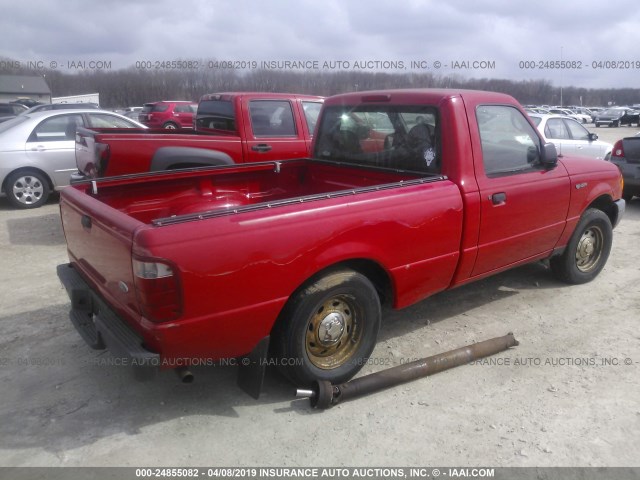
(100, 327)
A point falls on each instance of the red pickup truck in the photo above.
(408, 193)
(229, 128)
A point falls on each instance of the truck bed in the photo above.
(309, 211)
(175, 197)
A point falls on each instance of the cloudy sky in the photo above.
(599, 43)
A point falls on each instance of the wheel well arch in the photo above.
(606, 205)
(26, 170)
(170, 158)
(372, 270)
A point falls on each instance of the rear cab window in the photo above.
(405, 137)
(216, 114)
(510, 145)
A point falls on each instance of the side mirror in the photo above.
(593, 137)
(549, 156)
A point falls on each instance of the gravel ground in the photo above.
(567, 396)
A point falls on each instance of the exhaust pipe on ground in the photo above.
(324, 394)
(184, 374)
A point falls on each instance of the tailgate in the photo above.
(99, 241)
(631, 147)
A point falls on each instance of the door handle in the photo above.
(39, 148)
(498, 198)
(261, 147)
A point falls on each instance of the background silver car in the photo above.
(570, 137)
(37, 151)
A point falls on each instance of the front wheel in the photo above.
(170, 126)
(328, 329)
(27, 189)
(587, 251)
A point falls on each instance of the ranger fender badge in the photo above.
(581, 185)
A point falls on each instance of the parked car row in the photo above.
(616, 117)
(599, 116)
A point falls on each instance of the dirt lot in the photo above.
(567, 396)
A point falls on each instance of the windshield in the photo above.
(311, 114)
(395, 136)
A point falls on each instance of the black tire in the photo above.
(627, 197)
(170, 126)
(587, 251)
(27, 189)
(343, 306)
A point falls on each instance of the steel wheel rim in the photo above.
(589, 249)
(28, 189)
(334, 332)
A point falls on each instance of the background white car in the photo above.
(570, 137)
(37, 151)
(583, 118)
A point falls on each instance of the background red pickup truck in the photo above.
(408, 193)
(229, 128)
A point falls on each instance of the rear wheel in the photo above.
(587, 251)
(328, 329)
(27, 189)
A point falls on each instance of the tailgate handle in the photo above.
(261, 147)
(499, 198)
(86, 221)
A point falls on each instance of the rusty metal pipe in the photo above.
(324, 394)
(184, 374)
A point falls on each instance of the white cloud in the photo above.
(124, 31)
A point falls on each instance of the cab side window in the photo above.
(272, 118)
(577, 131)
(556, 129)
(510, 145)
(57, 129)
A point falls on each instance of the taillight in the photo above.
(102, 155)
(157, 290)
(617, 151)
